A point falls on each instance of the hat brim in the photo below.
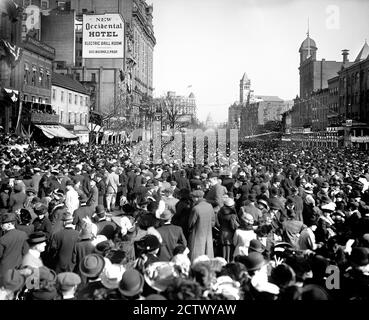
(135, 292)
(92, 273)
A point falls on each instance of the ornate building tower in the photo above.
(245, 84)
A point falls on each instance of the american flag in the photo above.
(14, 52)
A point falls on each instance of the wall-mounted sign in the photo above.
(103, 36)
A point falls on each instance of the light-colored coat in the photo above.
(201, 222)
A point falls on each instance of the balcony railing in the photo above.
(44, 118)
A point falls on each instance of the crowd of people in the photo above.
(82, 222)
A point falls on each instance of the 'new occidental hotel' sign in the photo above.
(103, 36)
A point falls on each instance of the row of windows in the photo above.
(35, 99)
(37, 77)
(82, 100)
(74, 118)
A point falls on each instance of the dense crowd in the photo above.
(82, 222)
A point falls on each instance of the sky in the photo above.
(209, 44)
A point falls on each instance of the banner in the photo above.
(11, 94)
(14, 53)
(103, 36)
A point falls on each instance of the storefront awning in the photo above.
(56, 131)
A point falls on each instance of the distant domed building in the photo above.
(209, 123)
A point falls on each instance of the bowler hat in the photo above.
(8, 217)
(66, 280)
(13, 280)
(36, 238)
(103, 247)
(256, 246)
(132, 283)
(100, 210)
(92, 265)
(254, 261)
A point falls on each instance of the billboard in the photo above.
(103, 36)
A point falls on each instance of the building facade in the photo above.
(30, 76)
(314, 76)
(70, 100)
(319, 109)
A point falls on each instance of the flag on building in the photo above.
(11, 94)
(13, 52)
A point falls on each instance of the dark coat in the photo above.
(183, 183)
(228, 183)
(299, 206)
(81, 249)
(201, 222)
(101, 187)
(81, 213)
(56, 216)
(93, 199)
(28, 229)
(182, 215)
(228, 223)
(13, 246)
(17, 200)
(62, 248)
(106, 228)
(43, 225)
(172, 237)
(195, 184)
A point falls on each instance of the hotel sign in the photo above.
(103, 36)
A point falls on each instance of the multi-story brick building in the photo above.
(314, 76)
(131, 76)
(31, 76)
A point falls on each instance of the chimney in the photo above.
(345, 54)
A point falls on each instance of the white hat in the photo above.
(329, 206)
(111, 275)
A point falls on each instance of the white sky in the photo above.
(209, 44)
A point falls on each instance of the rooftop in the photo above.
(67, 82)
(269, 98)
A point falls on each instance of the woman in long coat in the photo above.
(201, 223)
